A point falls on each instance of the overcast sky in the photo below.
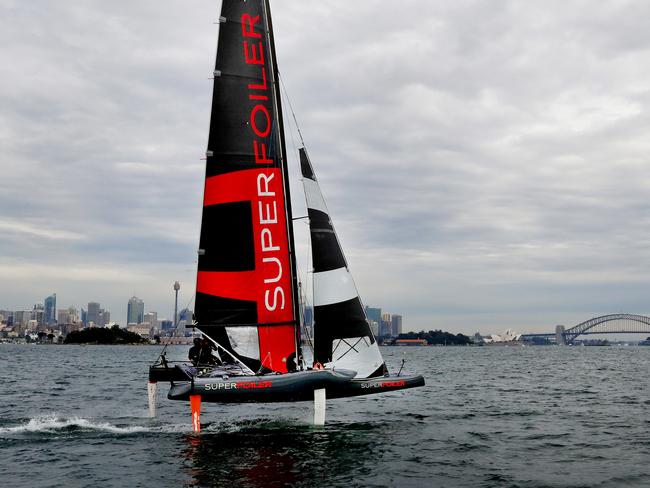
(485, 162)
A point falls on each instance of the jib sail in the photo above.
(245, 292)
(342, 335)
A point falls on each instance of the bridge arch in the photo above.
(631, 324)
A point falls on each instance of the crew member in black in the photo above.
(205, 353)
(195, 351)
(291, 363)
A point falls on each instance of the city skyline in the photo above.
(483, 168)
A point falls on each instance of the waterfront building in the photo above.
(374, 326)
(21, 317)
(64, 316)
(104, 318)
(93, 313)
(7, 317)
(396, 325)
(185, 318)
(411, 342)
(151, 318)
(166, 324)
(385, 325)
(142, 329)
(135, 311)
(373, 314)
(49, 317)
(38, 316)
(509, 336)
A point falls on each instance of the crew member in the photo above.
(195, 351)
(205, 353)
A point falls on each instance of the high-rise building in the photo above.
(309, 315)
(151, 318)
(135, 311)
(63, 317)
(93, 313)
(49, 316)
(185, 318)
(38, 316)
(396, 325)
(374, 318)
(166, 324)
(21, 317)
(104, 317)
(67, 316)
(385, 325)
(373, 314)
(84, 317)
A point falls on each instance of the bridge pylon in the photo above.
(560, 339)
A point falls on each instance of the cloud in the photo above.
(485, 164)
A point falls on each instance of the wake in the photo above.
(54, 424)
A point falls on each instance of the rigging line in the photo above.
(350, 345)
(293, 114)
(350, 349)
(304, 323)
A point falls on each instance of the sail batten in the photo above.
(342, 335)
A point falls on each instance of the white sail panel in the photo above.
(244, 341)
(314, 196)
(357, 354)
(333, 286)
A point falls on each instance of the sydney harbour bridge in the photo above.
(619, 323)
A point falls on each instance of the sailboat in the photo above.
(247, 292)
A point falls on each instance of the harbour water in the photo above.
(488, 417)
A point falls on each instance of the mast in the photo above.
(285, 169)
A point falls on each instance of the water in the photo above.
(504, 417)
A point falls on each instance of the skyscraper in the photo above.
(396, 323)
(66, 316)
(49, 315)
(135, 311)
(104, 318)
(151, 318)
(374, 317)
(385, 328)
(93, 313)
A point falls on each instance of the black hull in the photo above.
(291, 387)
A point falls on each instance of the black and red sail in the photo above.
(245, 297)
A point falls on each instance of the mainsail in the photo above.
(342, 335)
(245, 292)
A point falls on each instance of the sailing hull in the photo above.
(291, 387)
(371, 386)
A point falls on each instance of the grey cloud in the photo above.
(485, 162)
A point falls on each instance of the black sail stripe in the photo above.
(326, 251)
(338, 321)
(231, 242)
(305, 165)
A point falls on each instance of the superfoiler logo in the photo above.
(268, 206)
